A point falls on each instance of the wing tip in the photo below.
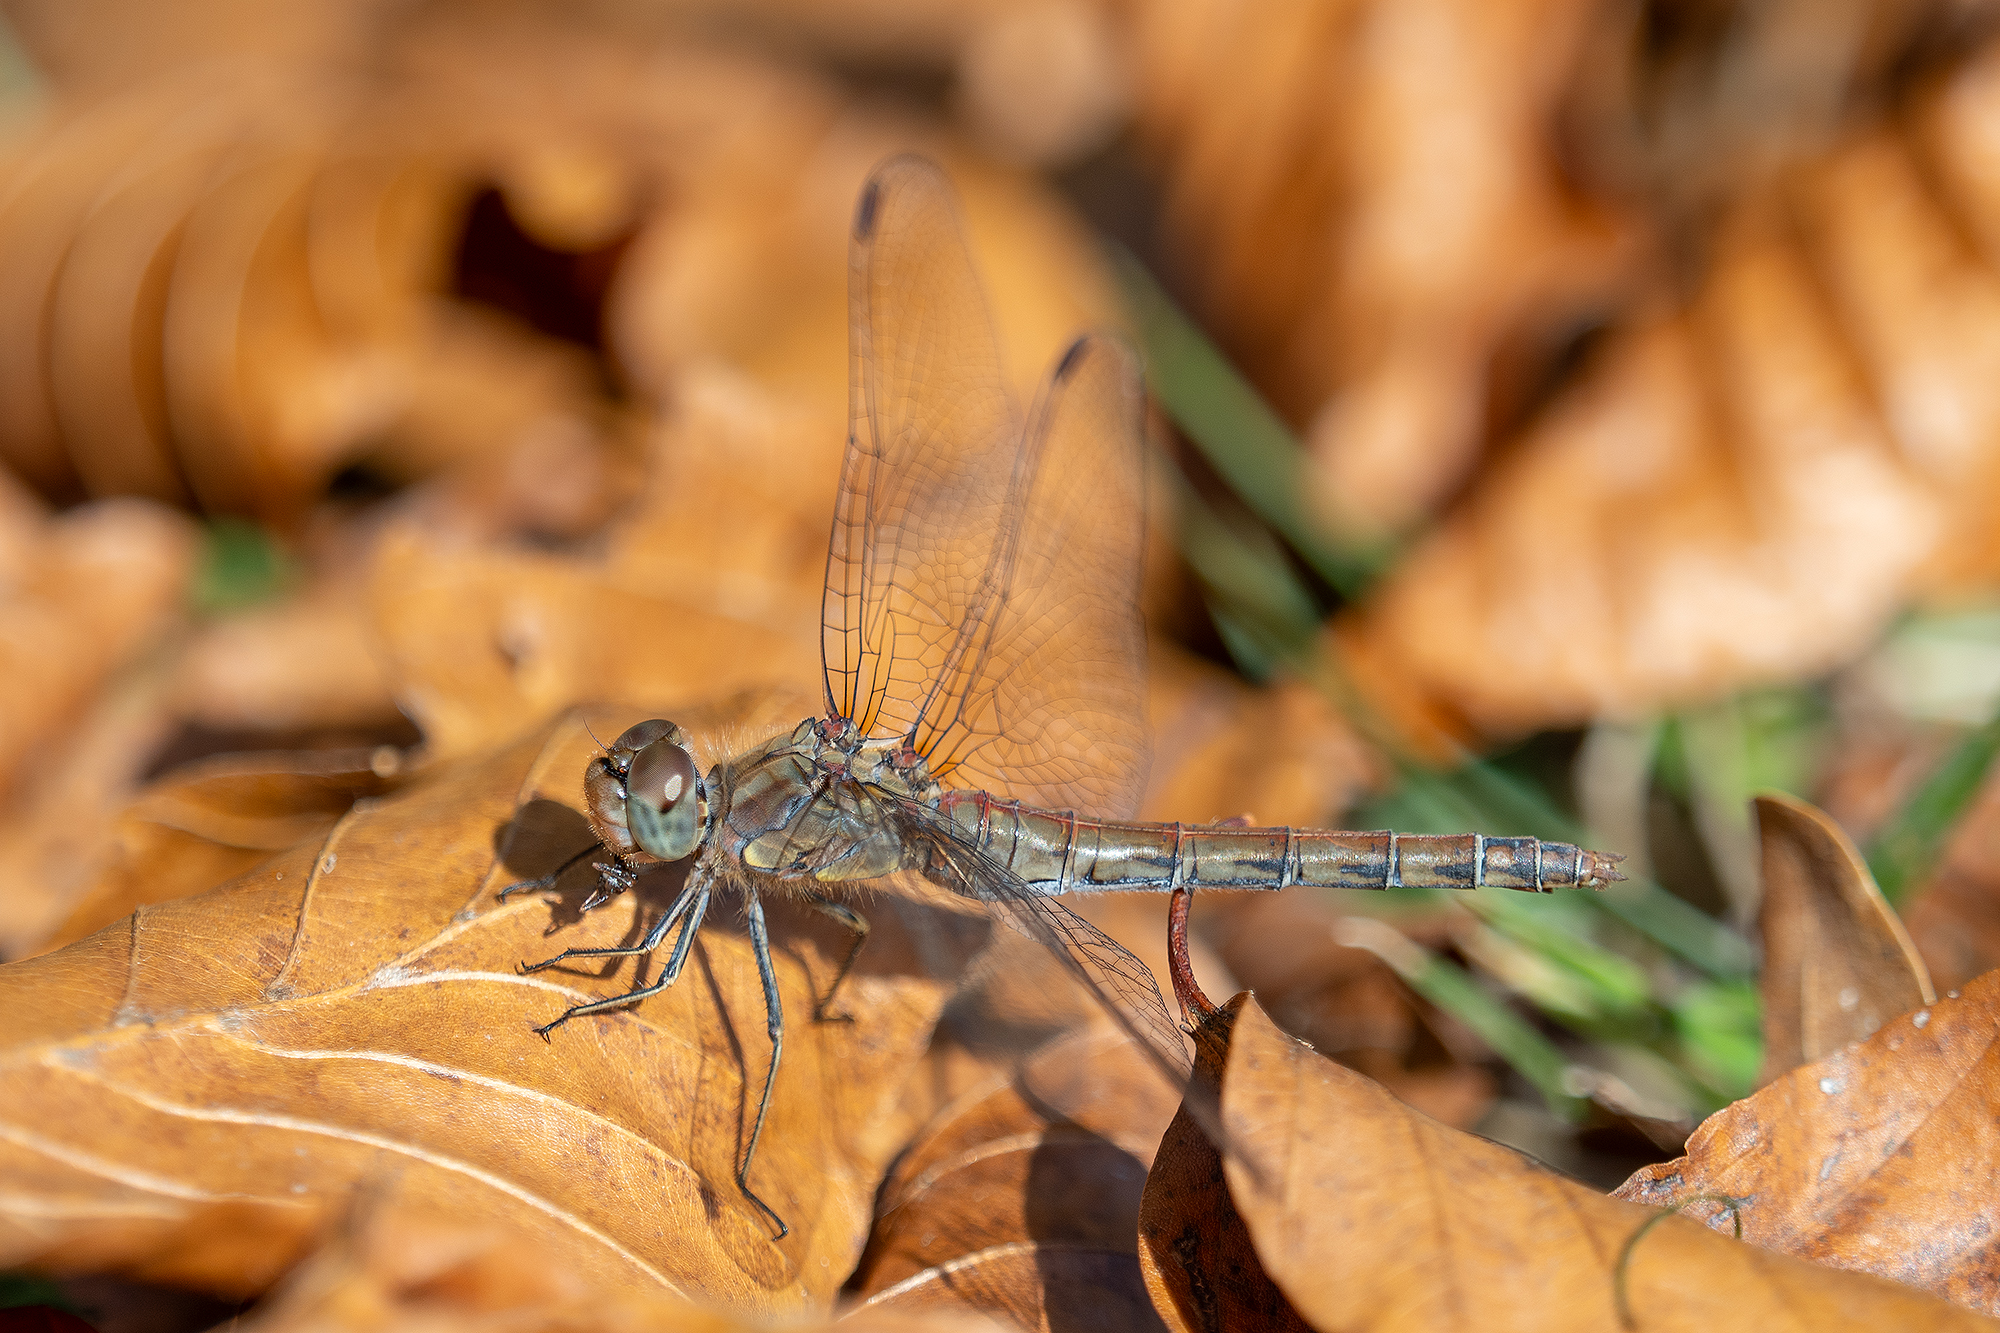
(1071, 356)
(864, 209)
(868, 209)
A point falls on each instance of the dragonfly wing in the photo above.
(1120, 982)
(1048, 705)
(982, 584)
(931, 456)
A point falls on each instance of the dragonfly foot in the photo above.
(613, 878)
(529, 969)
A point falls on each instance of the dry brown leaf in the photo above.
(397, 1273)
(307, 663)
(47, 191)
(1221, 748)
(1804, 443)
(1837, 961)
(191, 1089)
(1719, 468)
(252, 286)
(751, 267)
(1201, 1269)
(93, 589)
(485, 642)
(1370, 1216)
(212, 820)
(1026, 1286)
(1018, 1200)
(1052, 1159)
(1877, 1158)
(1346, 1001)
(54, 841)
(1370, 202)
(1920, 308)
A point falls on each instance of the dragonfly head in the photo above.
(644, 795)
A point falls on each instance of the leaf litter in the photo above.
(491, 611)
(352, 1015)
(1876, 1158)
(1368, 1215)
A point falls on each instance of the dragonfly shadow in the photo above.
(548, 840)
(1082, 1194)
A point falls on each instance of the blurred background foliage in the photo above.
(1575, 416)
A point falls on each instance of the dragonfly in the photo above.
(984, 676)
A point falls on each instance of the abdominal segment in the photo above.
(1058, 852)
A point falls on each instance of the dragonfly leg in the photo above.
(855, 922)
(647, 945)
(774, 1015)
(547, 881)
(612, 879)
(668, 975)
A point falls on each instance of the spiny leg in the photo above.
(668, 974)
(547, 881)
(774, 1016)
(612, 880)
(647, 945)
(855, 922)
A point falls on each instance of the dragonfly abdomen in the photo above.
(1059, 852)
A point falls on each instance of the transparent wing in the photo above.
(930, 462)
(1047, 703)
(982, 585)
(1122, 983)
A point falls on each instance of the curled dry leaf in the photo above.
(196, 249)
(1201, 1269)
(55, 840)
(253, 281)
(1020, 1200)
(1803, 444)
(1837, 961)
(191, 1089)
(1719, 468)
(84, 595)
(1878, 1158)
(1375, 255)
(1368, 1215)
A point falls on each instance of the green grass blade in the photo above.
(1235, 429)
(1267, 614)
(1453, 990)
(1906, 848)
(1477, 795)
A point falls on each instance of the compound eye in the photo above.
(661, 805)
(643, 734)
(661, 774)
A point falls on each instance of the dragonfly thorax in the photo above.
(891, 764)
